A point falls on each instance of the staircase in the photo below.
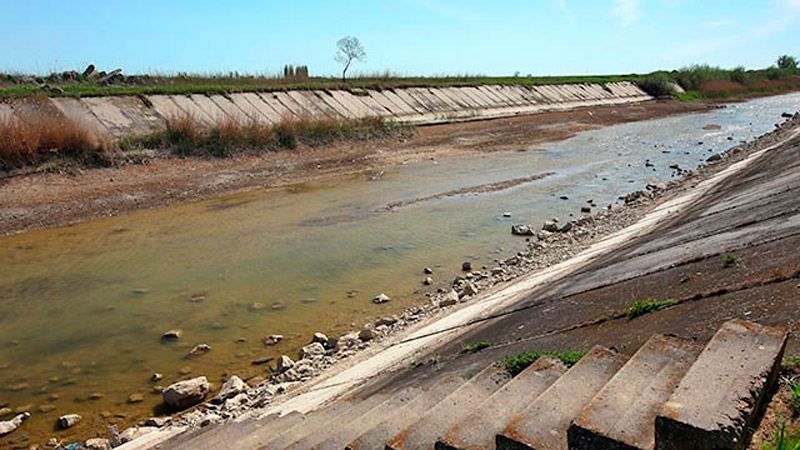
(672, 394)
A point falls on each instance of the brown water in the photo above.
(82, 308)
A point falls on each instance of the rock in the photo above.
(381, 298)
(786, 115)
(469, 289)
(68, 421)
(586, 209)
(156, 377)
(506, 214)
(199, 349)
(320, 338)
(312, 349)
(564, 197)
(10, 425)
(46, 408)
(428, 270)
(388, 321)
(550, 225)
(714, 157)
(90, 71)
(273, 339)
(260, 361)
(565, 227)
(5, 411)
(97, 444)
(231, 388)
(466, 266)
(427, 281)
(133, 433)
(184, 394)
(543, 235)
(366, 334)
(158, 422)
(284, 363)
(521, 230)
(171, 335)
(135, 398)
(450, 299)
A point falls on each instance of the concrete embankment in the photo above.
(117, 116)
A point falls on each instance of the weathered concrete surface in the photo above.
(718, 399)
(376, 436)
(543, 424)
(423, 433)
(622, 414)
(477, 431)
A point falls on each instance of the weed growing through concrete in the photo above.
(794, 401)
(476, 346)
(642, 307)
(784, 439)
(730, 261)
(515, 364)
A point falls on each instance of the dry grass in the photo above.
(187, 136)
(38, 138)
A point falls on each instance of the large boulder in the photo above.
(311, 350)
(550, 225)
(231, 388)
(68, 421)
(284, 363)
(185, 394)
(521, 230)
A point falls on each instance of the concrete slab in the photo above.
(272, 101)
(309, 104)
(460, 98)
(741, 362)
(191, 109)
(325, 109)
(543, 424)
(402, 104)
(108, 114)
(477, 431)
(222, 436)
(261, 106)
(479, 97)
(165, 106)
(310, 422)
(445, 99)
(502, 100)
(231, 110)
(423, 433)
(353, 103)
(623, 413)
(337, 438)
(328, 99)
(377, 108)
(381, 99)
(513, 95)
(217, 114)
(464, 94)
(420, 106)
(376, 437)
(140, 112)
(73, 109)
(431, 102)
(290, 104)
(248, 108)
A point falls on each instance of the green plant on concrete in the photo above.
(642, 307)
(515, 364)
(794, 400)
(476, 346)
(792, 361)
(784, 439)
(730, 261)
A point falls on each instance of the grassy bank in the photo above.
(39, 138)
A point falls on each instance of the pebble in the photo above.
(68, 421)
(381, 298)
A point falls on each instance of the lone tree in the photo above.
(350, 49)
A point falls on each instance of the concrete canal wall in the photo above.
(125, 115)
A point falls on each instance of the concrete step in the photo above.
(250, 433)
(543, 424)
(478, 430)
(623, 413)
(312, 422)
(338, 438)
(724, 391)
(424, 432)
(376, 437)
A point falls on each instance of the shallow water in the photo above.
(82, 308)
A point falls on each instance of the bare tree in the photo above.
(350, 49)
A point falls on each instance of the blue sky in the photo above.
(429, 37)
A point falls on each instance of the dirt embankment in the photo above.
(52, 199)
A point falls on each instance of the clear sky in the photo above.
(428, 37)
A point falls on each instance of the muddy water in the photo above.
(82, 308)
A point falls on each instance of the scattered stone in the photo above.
(714, 157)
(388, 321)
(131, 434)
(506, 214)
(95, 396)
(257, 306)
(97, 444)
(550, 225)
(158, 422)
(565, 227)
(381, 298)
(319, 337)
(199, 349)
(273, 339)
(450, 299)
(184, 394)
(231, 388)
(466, 266)
(521, 230)
(586, 209)
(46, 408)
(786, 115)
(171, 335)
(468, 289)
(284, 363)
(428, 270)
(10, 425)
(140, 291)
(311, 350)
(156, 377)
(261, 361)
(68, 421)
(366, 334)
(135, 398)
(5, 411)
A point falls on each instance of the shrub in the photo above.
(657, 85)
(730, 261)
(692, 77)
(476, 346)
(739, 75)
(515, 364)
(642, 307)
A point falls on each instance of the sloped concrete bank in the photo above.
(117, 116)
